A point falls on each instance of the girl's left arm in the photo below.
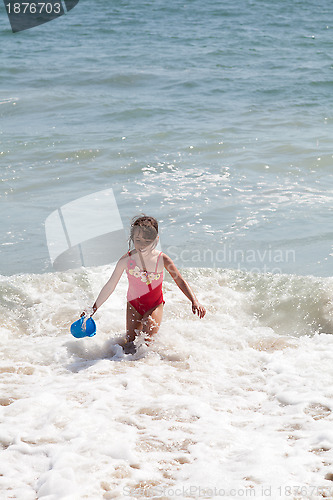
(184, 286)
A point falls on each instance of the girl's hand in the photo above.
(88, 312)
(199, 309)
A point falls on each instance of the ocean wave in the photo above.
(40, 304)
(214, 407)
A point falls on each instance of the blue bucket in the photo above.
(79, 330)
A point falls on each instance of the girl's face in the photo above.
(141, 242)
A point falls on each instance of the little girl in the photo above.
(144, 267)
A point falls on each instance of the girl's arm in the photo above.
(111, 284)
(184, 286)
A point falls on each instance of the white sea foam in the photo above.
(219, 407)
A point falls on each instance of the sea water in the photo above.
(217, 119)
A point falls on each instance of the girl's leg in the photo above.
(133, 322)
(151, 321)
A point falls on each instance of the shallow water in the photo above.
(240, 400)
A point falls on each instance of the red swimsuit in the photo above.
(144, 288)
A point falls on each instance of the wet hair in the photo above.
(148, 226)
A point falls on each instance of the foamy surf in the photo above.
(238, 404)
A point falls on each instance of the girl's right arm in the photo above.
(111, 284)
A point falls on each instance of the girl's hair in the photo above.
(148, 226)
